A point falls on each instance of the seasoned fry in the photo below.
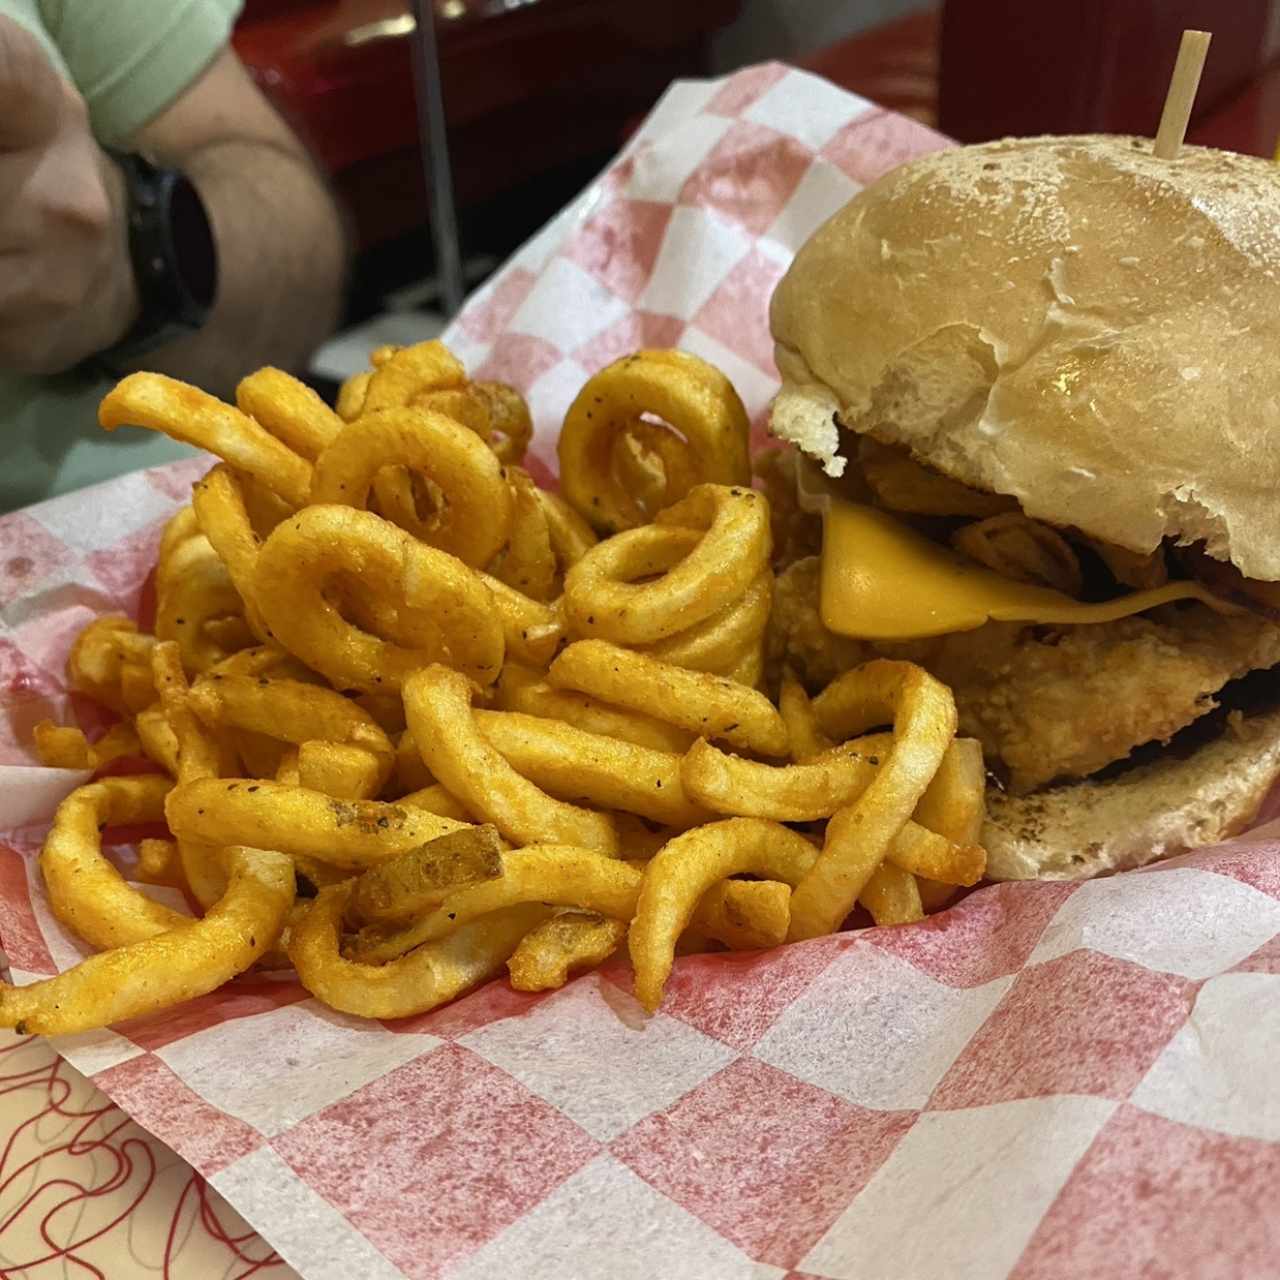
(194, 588)
(859, 837)
(408, 372)
(438, 704)
(533, 631)
(194, 417)
(574, 940)
(955, 806)
(713, 706)
(453, 608)
(352, 395)
(796, 710)
(475, 518)
(555, 874)
(352, 835)
(289, 410)
(892, 896)
(65, 747)
(524, 690)
(416, 880)
(682, 390)
(528, 562)
(707, 550)
(574, 765)
(571, 536)
(201, 754)
(160, 863)
(187, 960)
(219, 504)
(688, 867)
(85, 891)
(430, 976)
(729, 784)
(745, 915)
(157, 739)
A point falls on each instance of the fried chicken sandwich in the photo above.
(1038, 380)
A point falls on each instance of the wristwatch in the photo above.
(174, 257)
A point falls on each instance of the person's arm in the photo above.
(66, 284)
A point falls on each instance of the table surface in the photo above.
(85, 1192)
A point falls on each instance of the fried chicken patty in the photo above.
(1053, 703)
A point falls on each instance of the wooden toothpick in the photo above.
(1182, 93)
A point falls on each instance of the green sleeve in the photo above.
(131, 58)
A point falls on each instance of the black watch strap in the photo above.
(175, 262)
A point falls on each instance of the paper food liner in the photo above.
(1045, 1080)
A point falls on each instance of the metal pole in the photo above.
(433, 138)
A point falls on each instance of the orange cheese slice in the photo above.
(881, 580)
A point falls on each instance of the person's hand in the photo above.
(66, 287)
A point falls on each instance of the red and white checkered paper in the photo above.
(1046, 1080)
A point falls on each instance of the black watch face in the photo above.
(194, 251)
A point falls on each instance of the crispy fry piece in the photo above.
(528, 562)
(552, 874)
(187, 960)
(571, 536)
(955, 806)
(219, 503)
(524, 690)
(98, 655)
(714, 706)
(201, 755)
(746, 915)
(859, 836)
(160, 863)
(341, 770)
(723, 641)
(728, 784)
(157, 739)
(572, 941)
(193, 416)
(510, 423)
(352, 395)
(62, 746)
(452, 611)
(194, 589)
(571, 764)
(475, 518)
(533, 631)
(352, 835)
(430, 976)
(407, 372)
(892, 896)
(438, 705)
(686, 868)
(435, 799)
(707, 550)
(342, 749)
(696, 399)
(796, 710)
(416, 880)
(85, 891)
(289, 410)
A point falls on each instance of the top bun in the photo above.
(1070, 321)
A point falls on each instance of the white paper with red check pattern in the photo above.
(1047, 1080)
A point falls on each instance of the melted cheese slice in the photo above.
(881, 580)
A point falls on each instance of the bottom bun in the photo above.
(1153, 811)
